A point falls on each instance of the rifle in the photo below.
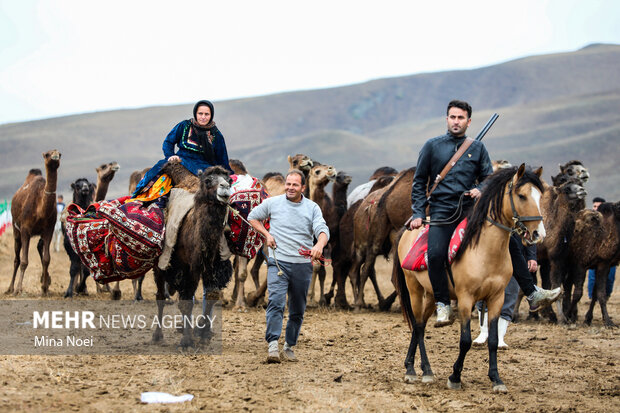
(486, 127)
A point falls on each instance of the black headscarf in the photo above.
(204, 103)
(201, 133)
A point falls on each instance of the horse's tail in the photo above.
(398, 279)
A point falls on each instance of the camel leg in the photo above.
(160, 297)
(322, 275)
(116, 291)
(588, 318)
(241, 274)
(23, 262)
(186, 304)
(315, 275)
(258, 261)
(579, 278)
(75, 267)
(340, 276)
(17, 244)
(46, 280)
(601, 294)
(254, 297)
(367, 269)
(233, 298)
(136, 283)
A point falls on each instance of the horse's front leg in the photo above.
(498, 384)
(454, 381)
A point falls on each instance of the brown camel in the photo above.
(196, 254)
(375, 225)
(135, 178)
(318, 178)
(571, 169)
(607, 255)
(339, 192)
(342, 257)
(33, 208)
(559, 205)
(105, 174)
(304, 164)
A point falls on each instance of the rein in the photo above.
(517, 221)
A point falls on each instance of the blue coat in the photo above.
(191, 154)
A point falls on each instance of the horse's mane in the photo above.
(491, 201)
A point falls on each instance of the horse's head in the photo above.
(522, 205)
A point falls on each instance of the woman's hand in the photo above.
(174, 158)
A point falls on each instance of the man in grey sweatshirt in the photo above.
(294, 220)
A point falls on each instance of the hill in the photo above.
(553, 108)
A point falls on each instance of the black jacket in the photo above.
(474, 165)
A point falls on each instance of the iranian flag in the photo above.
(5, 216)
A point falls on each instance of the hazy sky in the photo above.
(62, 57)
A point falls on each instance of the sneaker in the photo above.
(542, 298)
(273, 354)
(288, 354)
(444, 315)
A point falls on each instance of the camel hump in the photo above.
(35, 172)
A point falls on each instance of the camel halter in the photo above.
(518, 226)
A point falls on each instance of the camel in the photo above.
(135, 178)
(105, 174)
(33, 208)
(342, 257)
(318, 178)
(606, 255)
(83, 194)
(304, 164)
(571, 169)
(339, 192)
(196, 254)
(359, 192)
(375, 225)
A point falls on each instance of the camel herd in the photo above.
(362, 225)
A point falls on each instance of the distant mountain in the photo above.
(553, 108)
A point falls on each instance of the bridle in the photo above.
(518, 226)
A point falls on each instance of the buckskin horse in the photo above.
(481, 269)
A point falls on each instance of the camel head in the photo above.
(106, 171)
(82, 189)
(321, 175)
(383, 171)
(215, 184)
(52, 158)
(573, 189)
(572, 169)
(301, 162)
(343, 179)
(500, 164)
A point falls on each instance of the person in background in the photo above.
(60, 206)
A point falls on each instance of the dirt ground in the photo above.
(348, 362)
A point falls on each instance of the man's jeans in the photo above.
(295, 281)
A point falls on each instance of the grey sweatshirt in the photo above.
(292, 225)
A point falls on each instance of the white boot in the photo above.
(502, 326)
(484, 330)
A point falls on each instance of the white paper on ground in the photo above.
(159, 397)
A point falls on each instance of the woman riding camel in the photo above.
(200, 144)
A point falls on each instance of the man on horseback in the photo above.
(452, 193)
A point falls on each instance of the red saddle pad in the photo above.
(417, 257)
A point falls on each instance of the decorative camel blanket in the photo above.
(417, 257)
(116, 239)
(248, 192)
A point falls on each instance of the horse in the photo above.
(481, 269)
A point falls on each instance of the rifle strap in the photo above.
(457, 155)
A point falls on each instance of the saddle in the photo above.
(417, 257)
(116, 239)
